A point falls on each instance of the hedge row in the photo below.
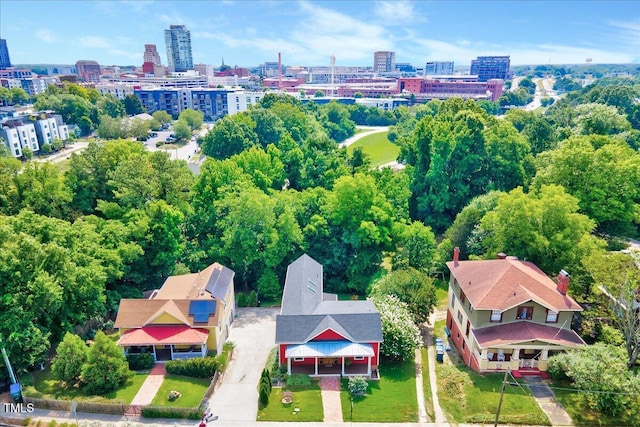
(168, 412)
(198, 367)
(141, 361)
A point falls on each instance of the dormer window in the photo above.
(525, 312)
(552, 316)
(496, 316)
(463, 297)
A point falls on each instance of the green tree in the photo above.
(413, 287)
(71, 355)
(27, 153)
(18, 96)
(110, 128)
(401, 336)
(106, 368)
(318, 94)
(111, 106)
(41, 188)
(85, 124)
(46, 149)
(599, 119)
(132, 105)
(231, 135)
(416, 247)
(57, 144)
(138, 128)
(193, 118)
(543, 227)
(182, 130)
(162, 116)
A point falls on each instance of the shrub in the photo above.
(198, 367)
(298, 380)
(241, 299)
(264, 394)
(163, 412)
(266, 379)
(558, 366)
(252, 299)
(454, 380)
(139, 362)
(106, 368)
(71, 354)
(357, 386)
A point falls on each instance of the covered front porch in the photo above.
(520, 346)
(165, 342)
(331, 358)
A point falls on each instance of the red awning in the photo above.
(153, 335)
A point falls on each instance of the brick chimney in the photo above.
(456, 255)
(563, 282)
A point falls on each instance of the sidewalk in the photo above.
(331, 405)
(439, 413)
(547, 402)
(150, 386)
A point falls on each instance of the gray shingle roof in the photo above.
(304, 315)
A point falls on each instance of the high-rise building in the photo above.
(491, 67)
(5, 62)
(384, 62)
(151, 61)
(178, 40)
(88, 70)
(438, 68)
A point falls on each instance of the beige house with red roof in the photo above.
(189, 316)
(508, 314)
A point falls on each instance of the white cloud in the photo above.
(134, 56)
(398, 12)
(94, 42)
(46, 36)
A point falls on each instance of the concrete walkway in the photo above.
(422, 411)
(369, 130)
(150, 386)
(547, 402)
(439, 413)
(331, 405)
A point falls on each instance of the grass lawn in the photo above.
(378, 147)
(576, 405)
(307, 399)
(192, 390)
(442, 288)
(391, 400)
(45, 383)
(426, 385)
(468, 397)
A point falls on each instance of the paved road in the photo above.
(254, 334)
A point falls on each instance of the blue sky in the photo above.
(248, 33)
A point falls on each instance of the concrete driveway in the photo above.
(254, 333)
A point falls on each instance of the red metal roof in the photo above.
(518, 332)
(153, 335)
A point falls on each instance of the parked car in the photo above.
(152, 134)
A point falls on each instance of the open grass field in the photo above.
(393, 399)
(576, 405)
(48, 387)
(307, 399)
(379, 149)
(192, 390)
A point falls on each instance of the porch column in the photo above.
(514, 364)
(288, 366)
(516, 354)
(155, 357)
(316, 365)
(203, 350)
(171, 351)
(484, 354)
(543, 363)
(369, 365)
(343, 365)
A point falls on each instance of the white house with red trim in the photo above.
(320, 336)
(508, 314)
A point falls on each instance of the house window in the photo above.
(552, 316)
(358, 358)
(525, 313)
(459, 317)
(463, 297)
(453, 299)
(468, 328)
(496, 316)
(298, 359)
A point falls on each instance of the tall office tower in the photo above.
(88, 70)
(438, 68)
(384, 62)
(5, 62)
(491, 67)
(151, 58)
(178, 40)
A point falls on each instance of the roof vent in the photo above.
(502, 255)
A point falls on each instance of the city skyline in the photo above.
(247, 33)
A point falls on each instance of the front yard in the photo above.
(575, 404)
(392, 399)
(192, 390)
(307, 400)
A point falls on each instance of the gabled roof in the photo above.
(518, 332)
(136, 313)
(505, 283)
(213, 281)
(152, 335)
(302, 286)
(356, 327)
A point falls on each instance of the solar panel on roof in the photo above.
(198, 306)
(201, 317)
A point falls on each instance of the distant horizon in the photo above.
(311, 31)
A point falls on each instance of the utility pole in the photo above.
(504, 384)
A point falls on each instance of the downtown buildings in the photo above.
(178, 41)
(491, 67)
(5, 62)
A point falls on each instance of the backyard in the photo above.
(392, 399)
(379, 149)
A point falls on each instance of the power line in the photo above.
(576, 390)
